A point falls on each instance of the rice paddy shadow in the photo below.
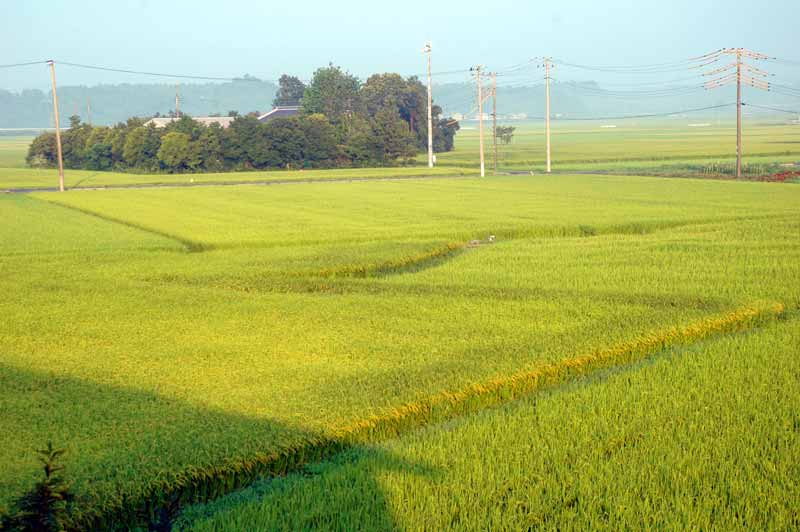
(161, 469)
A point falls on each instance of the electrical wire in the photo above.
(653, 68)
(785, 87)
(771, 108)
(782, 93)
(784, 61)
(158, 74)
(24, 64)
(634, 94)
(652, 115)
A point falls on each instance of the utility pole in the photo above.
(494, 118)
(89, 109)
(177, 101)
(740, 73)
(738, 114)
(478, 74)
(58, 126)
(547, 62)
(428, 50)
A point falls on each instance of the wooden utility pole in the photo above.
(478, 77)
(739, 73)
(427, 50)
(58, 126)
(738, 114)
(494, 118)
(547, 110)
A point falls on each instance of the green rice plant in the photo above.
(701, 436)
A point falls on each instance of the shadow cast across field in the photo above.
(143, 435)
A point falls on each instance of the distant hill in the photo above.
(116, 103)
(589, 99)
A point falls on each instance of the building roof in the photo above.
(164, 121)
(280, 112)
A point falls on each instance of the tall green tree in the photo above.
(290, 91)
(407, 96)
(286, 139)
(133, 150)
(42, 151)
(174, 152)
(187, 125)
(392, 137)
(248, 143)
(209, 146)
(73, 143)
(444, 133)
(320, 148)
(333, 93)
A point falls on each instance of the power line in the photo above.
(13, 65)
(784, 61)
(651, 115)
(771, 108)
(632, 94)
(653, 68)
(158, 74)
(785, 87)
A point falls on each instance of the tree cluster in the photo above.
(342, 123)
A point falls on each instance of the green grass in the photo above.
(703, 437)
(156, 333)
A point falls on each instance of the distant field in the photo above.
(633, 147)
(13, 151)
(218, 333)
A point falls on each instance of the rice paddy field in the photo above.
(678, 146)
(562, 351)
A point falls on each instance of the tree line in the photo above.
(342, 123)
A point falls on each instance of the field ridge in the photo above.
(191, 246)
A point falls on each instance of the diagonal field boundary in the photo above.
(204, 484)
(190, 246)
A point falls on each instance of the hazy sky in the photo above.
(266, 38)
